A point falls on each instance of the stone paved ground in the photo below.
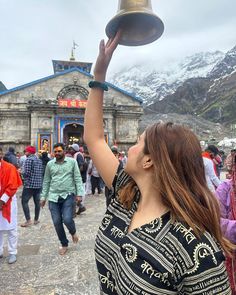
(39, 269)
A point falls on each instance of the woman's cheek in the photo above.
(133, 150)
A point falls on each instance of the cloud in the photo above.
(35, 32)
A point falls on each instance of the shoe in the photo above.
(1, 256)
(81, 209)
(36, 222)
(12, 258)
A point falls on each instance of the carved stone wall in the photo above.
(32, 109)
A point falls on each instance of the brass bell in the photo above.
(138, 23)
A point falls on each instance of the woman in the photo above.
(161, 232)
(226, 193)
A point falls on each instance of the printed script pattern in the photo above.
(161, 257)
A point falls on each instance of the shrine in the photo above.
(51, 110)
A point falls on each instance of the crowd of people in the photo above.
(170, 221)
(72, 167)
(39, 174)
(225, 191)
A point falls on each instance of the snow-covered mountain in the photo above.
(153, 85)
(225, 66)
(212, 97)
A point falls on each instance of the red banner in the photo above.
(72, 103)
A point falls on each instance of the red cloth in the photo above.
(10, 182)
(30, 149)
(207, 155)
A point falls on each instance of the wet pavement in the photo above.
(40, 270)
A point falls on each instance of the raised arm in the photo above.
(104, 160)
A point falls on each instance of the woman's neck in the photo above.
(150, 199)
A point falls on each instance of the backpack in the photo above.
(81, 162)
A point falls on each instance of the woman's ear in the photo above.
(147, 162)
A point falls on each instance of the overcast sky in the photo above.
(33, 32)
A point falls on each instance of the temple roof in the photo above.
(62, 65)
(2, 87)
(66, 72)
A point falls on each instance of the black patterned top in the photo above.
(161, 257)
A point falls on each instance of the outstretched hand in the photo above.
(104, 56)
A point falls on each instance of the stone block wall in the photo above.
(20, 121)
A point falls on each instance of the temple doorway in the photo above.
(73, 133)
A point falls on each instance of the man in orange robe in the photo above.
(10, 181)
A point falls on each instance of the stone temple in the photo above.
(51, 110)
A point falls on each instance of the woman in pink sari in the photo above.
(226, 193)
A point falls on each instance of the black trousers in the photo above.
(26, 195)
(96, 184)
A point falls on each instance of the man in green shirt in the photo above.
(62, 184)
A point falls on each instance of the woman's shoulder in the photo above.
(198, 252)
(190, 240)
(121, 179)
(198, 263)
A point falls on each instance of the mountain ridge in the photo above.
(202, 85)
(156, 84)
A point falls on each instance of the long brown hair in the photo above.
(180, 179)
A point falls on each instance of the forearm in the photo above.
(79, 186)
(94, 110)
(94, 116)
(80, 190)
(45, 190)
(46, 184)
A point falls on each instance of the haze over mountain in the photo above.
(202, 85)
(154, 84)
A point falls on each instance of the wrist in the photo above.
(98, 84)
(4, 198)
